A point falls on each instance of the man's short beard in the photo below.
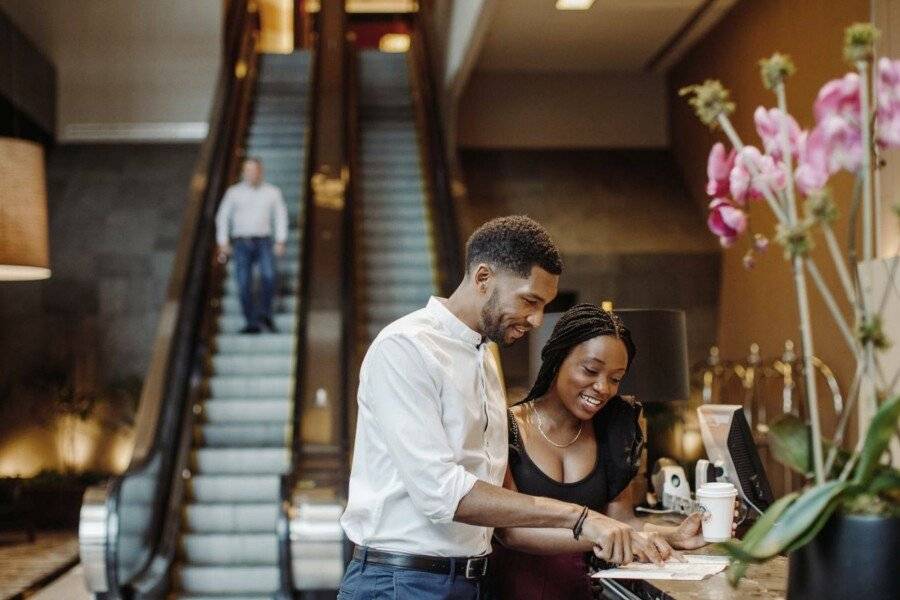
(491, 321)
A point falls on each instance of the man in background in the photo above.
(252, 224)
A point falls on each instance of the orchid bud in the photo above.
(859, 42)
(775, 69)
(796, 239)
(709, 99)
(820, 207)
(760, 243)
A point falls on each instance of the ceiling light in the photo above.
(574, 4)
(394, 42)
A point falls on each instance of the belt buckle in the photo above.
(476, 567)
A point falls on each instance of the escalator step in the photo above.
(236, 461)
(230, 518)
(234, 488)
(250, 386)
(259, 410)
(229, 549)
(274, 435)
(227, 579)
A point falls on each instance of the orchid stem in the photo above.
(862, 68)
(786, 158)
(841, 429)
(830, 302)
(840, 264)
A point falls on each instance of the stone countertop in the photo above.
(767, 581)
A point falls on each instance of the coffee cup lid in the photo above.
(717, 489)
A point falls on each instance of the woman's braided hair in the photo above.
(580, 323)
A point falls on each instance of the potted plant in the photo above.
(842, 531)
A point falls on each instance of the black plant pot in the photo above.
(854, 557)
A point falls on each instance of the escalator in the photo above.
(242, 428)
(398, 256)
(196, 513)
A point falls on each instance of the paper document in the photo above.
(697, 567)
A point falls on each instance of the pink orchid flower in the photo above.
(718, 169)
(888, 98)
(768, 175)
(838, 97)
(726, 221)
(843, 138)
(768, 126)
(812, 168)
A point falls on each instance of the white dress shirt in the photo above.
(432, 420)
(251, 211)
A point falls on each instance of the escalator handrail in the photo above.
(443, 211)
(289, 479)
(158, 423)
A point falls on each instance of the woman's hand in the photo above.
(689, 535)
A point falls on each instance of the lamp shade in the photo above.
(24, 252)
(659, 372)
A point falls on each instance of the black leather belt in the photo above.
(472, 568)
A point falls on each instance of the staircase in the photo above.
(394, 229)
(242, 431)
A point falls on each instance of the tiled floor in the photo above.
(23, 564)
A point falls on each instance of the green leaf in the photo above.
(881, 429)
(886, 481)
(816, 527)
(794, 521)
(789, 439)
(752, 537)
(743, 550)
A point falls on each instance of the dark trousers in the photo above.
(250, 251)
(370, 581)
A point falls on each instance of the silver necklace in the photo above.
(540, 428)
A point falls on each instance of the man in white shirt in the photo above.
(431, 436)
(247, 216)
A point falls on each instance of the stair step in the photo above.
(206, 488)
(261, 364)
(258, 410)
(229, 548)
(275, 435)
(240, 460)
(232, 323)
(263, 343)
(226, 579)
(282, 304)
(230, 518)
(251, 386)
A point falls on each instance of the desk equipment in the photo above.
(730, 447)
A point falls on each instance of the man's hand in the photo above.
(618, 543)
(224, 252)
(279, 249)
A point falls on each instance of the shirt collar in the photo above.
(456, 327)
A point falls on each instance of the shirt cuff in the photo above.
(467, 482)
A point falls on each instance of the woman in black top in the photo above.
(574, 439)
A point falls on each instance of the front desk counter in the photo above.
(767, 581)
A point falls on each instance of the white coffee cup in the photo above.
(716, 499)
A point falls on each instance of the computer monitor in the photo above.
(729, 445)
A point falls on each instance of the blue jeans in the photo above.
(247, 252)
(371, 581)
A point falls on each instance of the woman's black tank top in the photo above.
(619, 443)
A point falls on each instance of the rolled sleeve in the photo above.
(405, 402)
